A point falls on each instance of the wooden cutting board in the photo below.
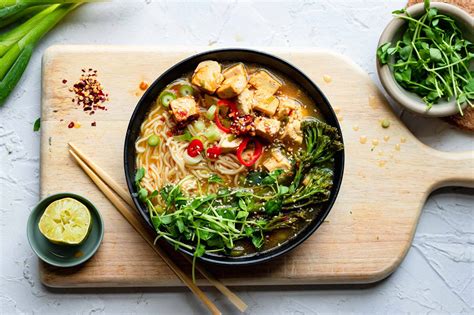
(365, 237)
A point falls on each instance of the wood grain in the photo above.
(364, 238)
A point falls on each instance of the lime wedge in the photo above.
(65, 221)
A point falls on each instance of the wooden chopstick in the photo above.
(233, 298)
(104, 176)
(128, 215)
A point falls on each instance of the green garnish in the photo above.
(213, 222)
(214, 178)
(37, 125)
(186, 90)
(432, 59)
(166, 97)
(185, 137)
(153, 140)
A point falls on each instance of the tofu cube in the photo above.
(236, 70)
(264, 84)
(267, 106)
(267, 128)
(246, 101)
(208, 76)
(184, 109)
(292, 132)
(235, 81)
(286, 107)
(232, 86)
(277, 160)
(230, 143)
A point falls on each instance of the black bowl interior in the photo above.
(246, 56)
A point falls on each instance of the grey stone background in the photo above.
(435, 277)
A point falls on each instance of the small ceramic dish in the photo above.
(64, 255)
(393, 32)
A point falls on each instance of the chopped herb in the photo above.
(37, 125)
(214, 178)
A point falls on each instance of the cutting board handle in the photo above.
(453, 168)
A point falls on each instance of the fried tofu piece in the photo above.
(267, 128)
(232, 87)
(236, 70)
(287, 107)
(267, 106)
(246, 101)
(230, 143)
(208, 76)
(184, 109)
(277, 160)
(265, 85)
(292, 132)
(235, 81)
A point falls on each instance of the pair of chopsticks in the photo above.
(124, 204)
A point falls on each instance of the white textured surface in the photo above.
(437, 274)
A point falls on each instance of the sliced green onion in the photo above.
(211, 112)
(153, 140)
(199, 125)
(212, 133)
(166, 97)
(186, 90)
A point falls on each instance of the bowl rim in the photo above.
(292, 243)
(407, 99)
(41, 207)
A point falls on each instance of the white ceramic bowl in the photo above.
(393, 32)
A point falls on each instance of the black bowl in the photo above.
(233, 55)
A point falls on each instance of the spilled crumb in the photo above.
(386, 138)
(382, 163)
(403, 139)
(373, 102)
(375, 142)
(337, 109)
(355, 128)
(327, 78)
(238, 38)
(397, 147)
(363, 139)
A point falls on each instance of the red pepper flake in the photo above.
(71, 125)
(89, 92)
(93, 124)
(169, 133)
(64, 81)
(143, 86)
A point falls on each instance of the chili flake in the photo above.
(143, 86)
(89, 92)
(71, 125)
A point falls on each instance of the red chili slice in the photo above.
(233, 113)
(195, 147)
(214, 152)
(256, 153)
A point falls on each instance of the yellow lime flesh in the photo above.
(65, 221)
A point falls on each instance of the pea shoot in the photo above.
(432, 59)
